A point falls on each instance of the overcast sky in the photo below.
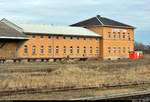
(66, 12)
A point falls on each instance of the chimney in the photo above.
(98, 16)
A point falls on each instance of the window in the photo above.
(109, 50)
(114, 35)
(124, 50)
(78, 38)
(33, 50)
(84, 50)
(49, 49)
(128, 36)
(41, 37)
(108, 35)
(57, 49)
(119, 50)
(49, 37)
(114, 50)
(71, 38)
(78, 50)
(25, 49)
(128, 49)
(57, 37)
(123, 36)
(96, 50)
(42, 50)
(96, 39)
(64, 37)
(71, 50)
(84, 38)
(64, 49)
(91, 50)
(90, 39)
(33, 36)
(118, 35)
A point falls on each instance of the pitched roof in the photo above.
(57, 30)
(7, 32)
(101, 21)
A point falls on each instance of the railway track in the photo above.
(139, 95)
(57, 89)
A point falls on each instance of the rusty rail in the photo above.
(45, 90)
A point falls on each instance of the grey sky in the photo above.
(66, 12)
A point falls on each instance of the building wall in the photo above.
(8, 50)
(53, 42)
(115, 43)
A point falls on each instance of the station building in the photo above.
(92, 38)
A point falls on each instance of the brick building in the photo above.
(94, 37)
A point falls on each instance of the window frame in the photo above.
(33, 50)
(25, 49)
(109, 35)
(57, 49)
(114, 35)
(42, 50)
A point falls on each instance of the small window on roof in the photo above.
(90, 38)
(78, 38)
(64, 37)
(33, 36)
(41, 36)
(84, 38)
(97, 39)
(49, 37)
(57, 37)
(71, 38)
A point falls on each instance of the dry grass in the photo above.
(78, 75)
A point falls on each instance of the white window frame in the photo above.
(49, 49)
(119, 50)
(114, 35)
(78, 38)
(64, 37)
(64, 50)
(91, 50)
(42, 50)
(114, 50)
(57, 37)
(33, 36)
(33, 49)
(71, 50)
(57, 49)
(109, 50)
(109, 35)
(119, 36)
(25, 49)
(124, 36)
(78, 50)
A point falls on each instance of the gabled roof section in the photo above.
(57, 30)
(11, 25)
(8, 31)
(101, 21)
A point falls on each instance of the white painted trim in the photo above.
(3, 37)
(100, 21)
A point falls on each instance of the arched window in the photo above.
(64, 49)
(49, 49)
(57, 49)
(42, 50)
(96, 50)
(91, 50)
(25, 49)
(78, 50)
(84, 50)
(34, 50)
(71, 50)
